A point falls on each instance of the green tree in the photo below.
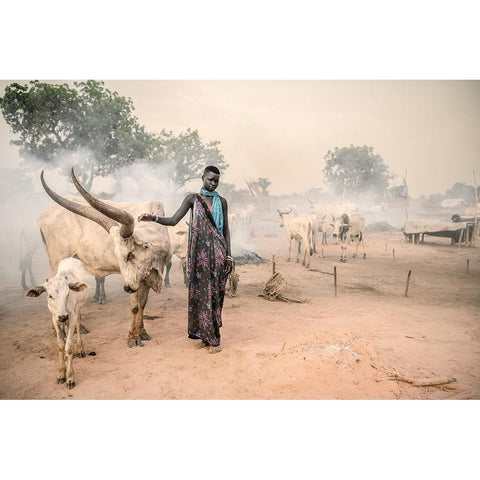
(264, 183)
(462, 190)
(187, 154)
(87, 120)
(355, 170)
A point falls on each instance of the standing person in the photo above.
(209, 258)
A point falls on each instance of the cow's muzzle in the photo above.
(129, 289)
(63, 318)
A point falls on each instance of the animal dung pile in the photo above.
(381, 227)
(246, 257)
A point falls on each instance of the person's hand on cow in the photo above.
(147, 217)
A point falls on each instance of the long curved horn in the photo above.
(121, 216)
(78, 208)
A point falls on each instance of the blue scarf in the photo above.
(217, 210)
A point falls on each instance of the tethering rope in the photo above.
(274, 288)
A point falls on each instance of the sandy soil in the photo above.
(331, 347)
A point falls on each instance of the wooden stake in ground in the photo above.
(408, 282)
(393, 253)
(474, 235)
(335, 279)
(273, 268)
(468, 264)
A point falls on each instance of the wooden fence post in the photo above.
(408, 282)
(335, 279)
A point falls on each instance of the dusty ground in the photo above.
(327, 348)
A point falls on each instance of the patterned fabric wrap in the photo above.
(217, 210)
(206, 260)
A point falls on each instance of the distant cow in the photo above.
(243, 220)
(178, 235)
(314, 229)
(66, 294)
(324, 213)
(350, 227)
(29, 242)
(298, 229)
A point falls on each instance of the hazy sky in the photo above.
(283, 129)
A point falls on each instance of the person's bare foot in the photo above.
(213, 349)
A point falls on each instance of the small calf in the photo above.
(66, 294)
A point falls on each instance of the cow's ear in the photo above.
(77, 286)
(35, 291)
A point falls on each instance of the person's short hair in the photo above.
(212, 169)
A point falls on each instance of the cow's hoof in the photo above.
(364, 256)
(167, 285)
(81, 354)
(70, 384)
(84, 330)
(145, 336)
(135, 342)
(61, 380)
(298, 261)
(288, 259)
(94, 300)
(354, 256)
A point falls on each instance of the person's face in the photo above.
(210, 181)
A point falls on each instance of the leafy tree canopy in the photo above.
(354, 170)
(87, 119)
(464, 191)
(187, 154)
(97, 128)
(264, 183)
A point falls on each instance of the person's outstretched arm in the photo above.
(173, 220)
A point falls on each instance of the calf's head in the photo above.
(57, 290)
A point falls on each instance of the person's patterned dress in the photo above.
(207, 254)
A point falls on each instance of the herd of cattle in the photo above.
(85, 234)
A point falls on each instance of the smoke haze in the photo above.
(280, 130)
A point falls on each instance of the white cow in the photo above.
(66, 294)
(106, 237)
(350, 227)
(245, 214)
(315, 226)
(298, 229)
(232, 222)
(178, 235)
(243, 217)
(324, 213)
